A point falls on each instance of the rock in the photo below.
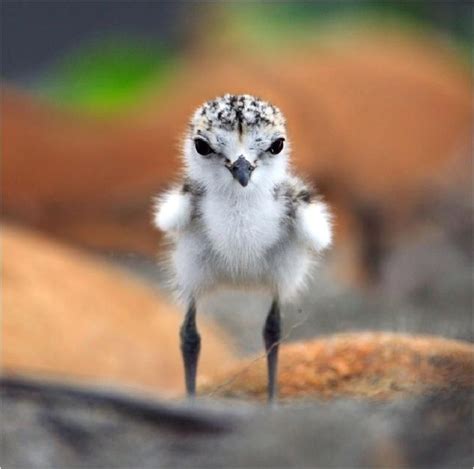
(62, 426)
(83, 179)
(356, 365)
(69, 315)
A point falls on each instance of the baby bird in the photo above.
(240, 217)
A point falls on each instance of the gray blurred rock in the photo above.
(46, 426)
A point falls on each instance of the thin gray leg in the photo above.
(190, 347)
(271, 338)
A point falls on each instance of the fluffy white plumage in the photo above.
(172, 211)
(314, 225)
(266, 233)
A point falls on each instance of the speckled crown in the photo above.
(237, 112)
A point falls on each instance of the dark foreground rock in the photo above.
(48, 425)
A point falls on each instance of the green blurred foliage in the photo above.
(106, 76)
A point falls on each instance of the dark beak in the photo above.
(241, 170)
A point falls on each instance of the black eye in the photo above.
(277, 146)
(202, 147)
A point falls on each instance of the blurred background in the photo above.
(378, 99)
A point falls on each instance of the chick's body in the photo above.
(240, 217)
(240, 241)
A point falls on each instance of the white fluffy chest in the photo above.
(242, 230)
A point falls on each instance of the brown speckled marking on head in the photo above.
(236, 112)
